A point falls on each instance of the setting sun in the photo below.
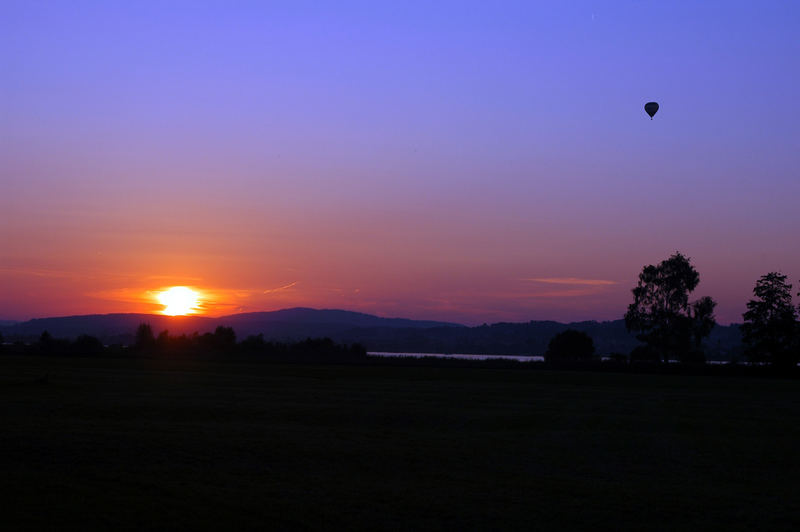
(179, 301)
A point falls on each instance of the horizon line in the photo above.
(209, 317)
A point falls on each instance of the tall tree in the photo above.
(145, 340)
(662, 315)
(770, 324)
(702, 314)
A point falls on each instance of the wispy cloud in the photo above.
(272, 290)
(126, 295)
(172, 278)
(569, 292)
(33, 272)
(571, 281)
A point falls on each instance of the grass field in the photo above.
(146, 444)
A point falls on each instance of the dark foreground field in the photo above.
(144, 444)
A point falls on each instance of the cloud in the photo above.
(567, 287)
(272, 290)
(571, 292)
(571, 281)
(56, 274)
(172, 277)
(126, 295)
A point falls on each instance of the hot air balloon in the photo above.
(651, 108)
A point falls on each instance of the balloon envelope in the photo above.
(651, 108)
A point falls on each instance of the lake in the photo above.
(462, 356)
(521, 358)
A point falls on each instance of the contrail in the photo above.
(269, 291)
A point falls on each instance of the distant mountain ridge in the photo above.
(374, 332)
(287, 324)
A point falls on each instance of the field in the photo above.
(148, 444)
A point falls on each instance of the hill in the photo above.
(283, 325)
(529, 338)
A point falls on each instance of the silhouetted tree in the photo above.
(181, 344)
(224, 338)
(46, 342)
(86, 345)
(253, 343)
(163, 341)
(702, 314)
(223, 342)
(770, 323)
(661, 312)
(702, 321)
(206, 341)
(48, 345)
(358, 351)
(145, 341)
(570, 345)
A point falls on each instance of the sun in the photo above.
(179, 301)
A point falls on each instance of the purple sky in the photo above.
(472, 161)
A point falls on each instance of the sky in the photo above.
(463, 161)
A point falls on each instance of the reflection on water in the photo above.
(466, 357)
(534, 358)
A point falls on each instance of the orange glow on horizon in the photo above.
(179, 301)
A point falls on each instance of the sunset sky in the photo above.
(468, 161)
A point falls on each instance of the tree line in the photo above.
(672, 328)
(222, 342)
